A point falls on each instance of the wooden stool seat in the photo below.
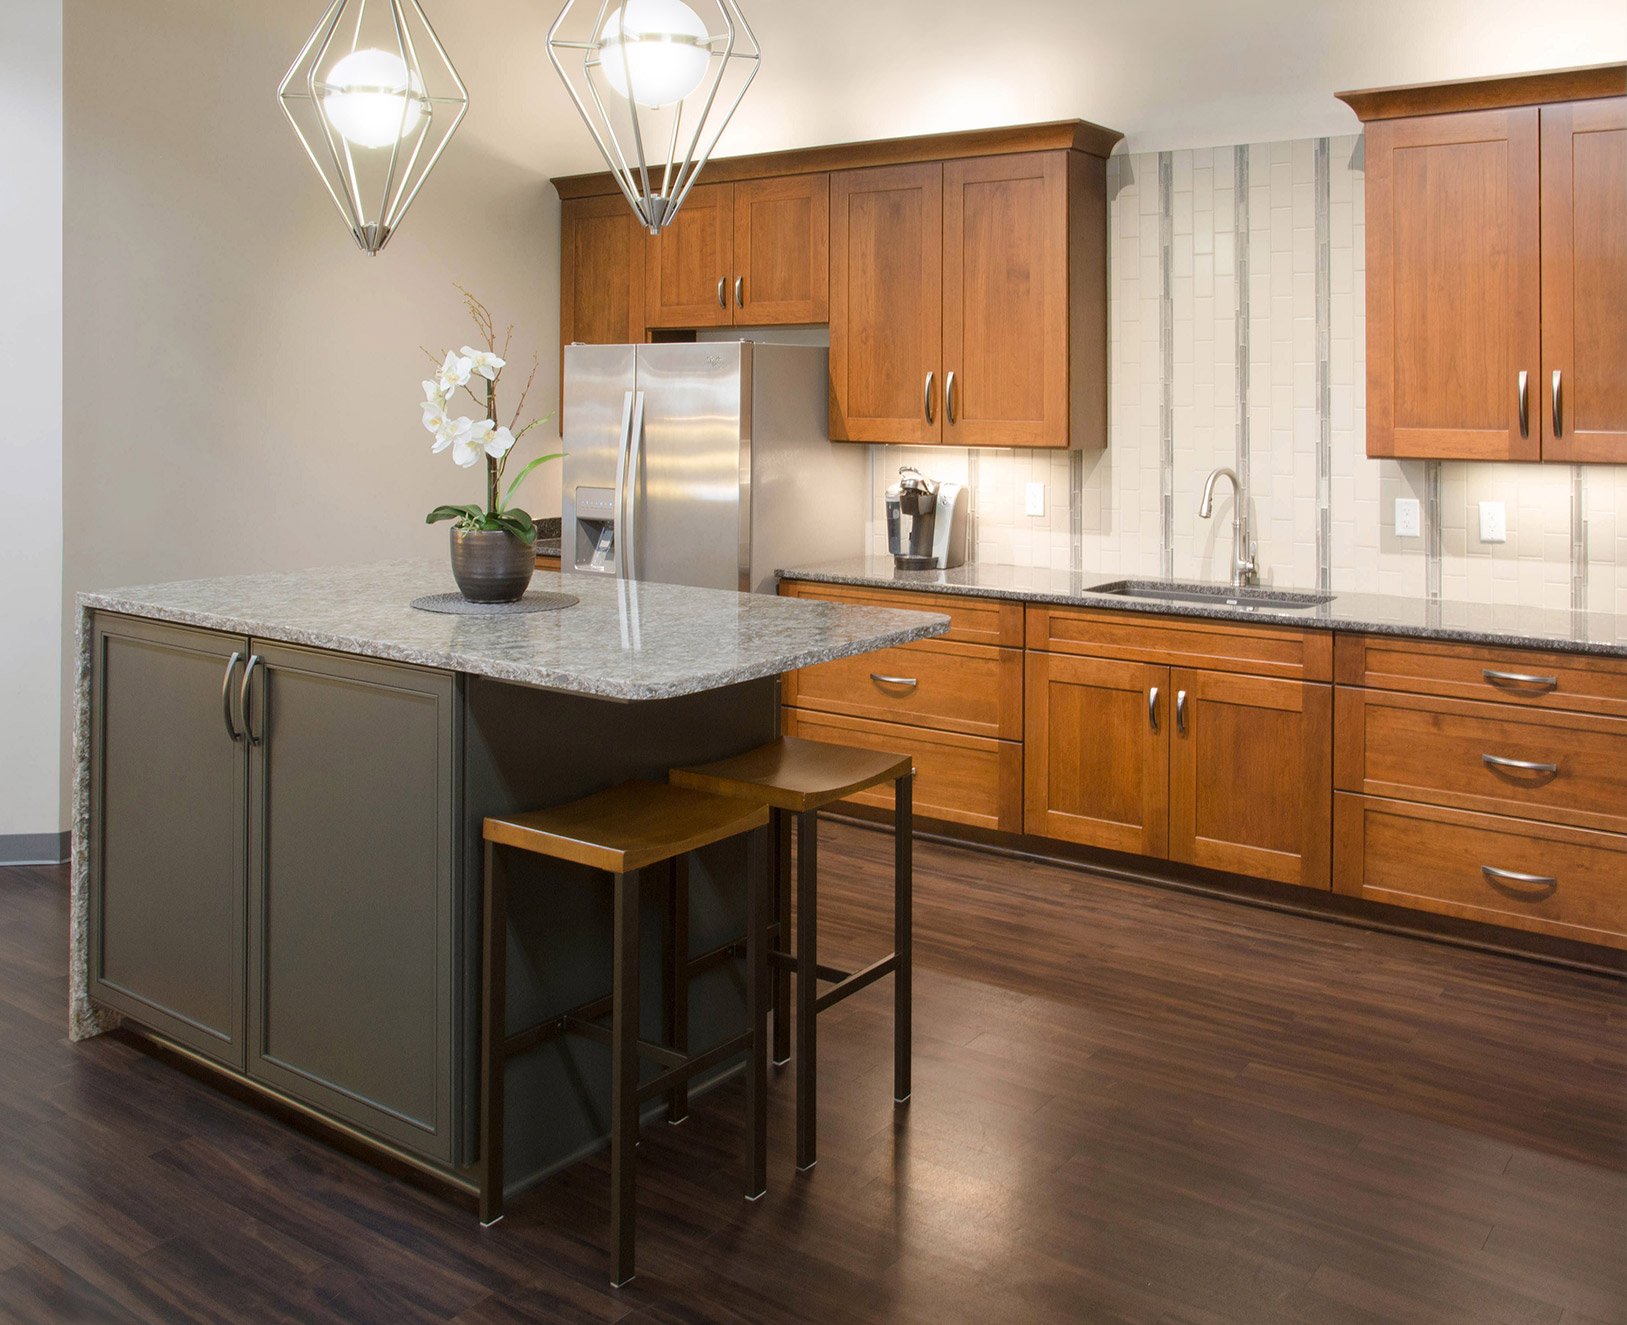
(627, 827)
(796, 775)
(795, 779)
(620, 833)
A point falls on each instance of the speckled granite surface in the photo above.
(621, 642)
(1478, 623)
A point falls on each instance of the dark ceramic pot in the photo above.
(491, 566)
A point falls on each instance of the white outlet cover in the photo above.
(1493, 522)
(1035, 498)
(1408, 521)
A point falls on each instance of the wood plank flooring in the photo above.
(1129, 1104)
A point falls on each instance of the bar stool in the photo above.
(620, 832)
(794, 777)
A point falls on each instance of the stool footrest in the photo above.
(853, 983)
(657, 1053)
(691, 1066)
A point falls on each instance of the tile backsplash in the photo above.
(1237, 306)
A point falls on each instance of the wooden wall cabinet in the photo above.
(968, 302)
(754, 253)
(1497, 268)
(601, 279)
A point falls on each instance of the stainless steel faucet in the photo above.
(1243, 545)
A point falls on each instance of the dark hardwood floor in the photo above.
(1129, 1105)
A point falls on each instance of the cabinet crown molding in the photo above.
(1070, 135)
(1496, 93)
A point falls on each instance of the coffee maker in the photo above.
(926, 522)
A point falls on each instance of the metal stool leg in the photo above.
(493, 1032)
(780, 823)
(903, 882)
(676, 959)
(757, 912)
(624, 1078)
(807, 987)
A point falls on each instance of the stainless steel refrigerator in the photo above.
(705, 464)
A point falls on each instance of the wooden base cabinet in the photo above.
(1212, 769)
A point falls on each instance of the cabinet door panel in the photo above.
(1453, 314)
(886, 304)
(689, 262)
(1096, 767)
(1005, 300)
(782, 251)
(1584, 281)
(167, 852)
(1251, 776)
(601, 293)
(352, 926)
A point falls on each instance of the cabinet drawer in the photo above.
(1471, 865)
(1530, 678)
(1215, 646)
(952, 687)
(971, 620)
(1466, 754)
(961, 779)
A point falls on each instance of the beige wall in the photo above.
(31, 441)
(242, 380)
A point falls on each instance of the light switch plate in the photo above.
(1036, 499)
(1493, 522)
(1407, 518)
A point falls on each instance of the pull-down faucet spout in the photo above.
(1243, 545)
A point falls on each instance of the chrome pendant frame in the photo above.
(655, 189)
(373, 192)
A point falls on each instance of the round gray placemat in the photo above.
(458, 605)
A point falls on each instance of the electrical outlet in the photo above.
(1407, 519)
(1493, 522)
(1036, 499)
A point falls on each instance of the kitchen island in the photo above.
(280, 784)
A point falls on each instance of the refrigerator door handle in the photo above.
(634, 453)
(622, 443)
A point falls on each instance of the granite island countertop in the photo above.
(623, 641)
(1555, 628)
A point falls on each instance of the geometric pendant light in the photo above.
(374, 99)
(657, 83)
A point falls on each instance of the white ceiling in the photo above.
(1169, 73)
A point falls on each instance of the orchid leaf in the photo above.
(452, 513)
(540, 460)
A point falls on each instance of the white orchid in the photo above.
(499, 443)
(484, 362)
(435, 418)
(454, 433)
(470, 444)
(453, 373)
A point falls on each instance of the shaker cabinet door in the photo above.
(1583, 391)
(1005, 300)
(352, 925)
(781, 251)
(166, 843)
(1251, 776)
(1454, 287)
(689, 266)
(1096, 761)
(886, 304)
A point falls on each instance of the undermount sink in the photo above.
(1213, 595)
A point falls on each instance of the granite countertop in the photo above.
(627, 641)
(548, 536)
(1380, 614)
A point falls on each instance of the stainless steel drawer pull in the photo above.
(949, 398)
(1519, 679)
(244, 698)
(1180, 712)
(1520, 765)
(739, 291)
(722, 286)
(1525, 405)
(926, 398)
(1152, 707)
(226, 696)
(1559, 430)
(1514, 876)
(908, 681)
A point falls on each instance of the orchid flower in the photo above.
(471, 442)
(453, 373)
(454, 433)
(499, 443)
(435, 418)
(484, 362)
